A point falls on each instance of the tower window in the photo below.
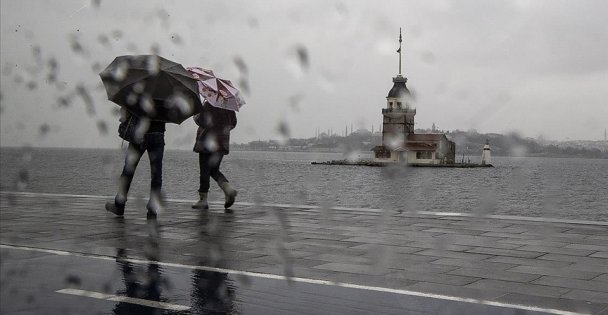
(399, 105)
(390, 104)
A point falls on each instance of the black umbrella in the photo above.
(153, 87)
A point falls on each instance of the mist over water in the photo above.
(536, 187)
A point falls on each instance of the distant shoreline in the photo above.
(533, 155)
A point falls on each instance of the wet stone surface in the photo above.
(562, 267)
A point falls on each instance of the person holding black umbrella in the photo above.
(143, 135)
(151, 91)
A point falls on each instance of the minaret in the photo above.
(398, 116)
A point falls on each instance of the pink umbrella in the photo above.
(217, 92)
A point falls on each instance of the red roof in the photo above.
(417, 142)
(421, 146)
(425, 136)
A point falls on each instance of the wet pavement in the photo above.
(64, 254)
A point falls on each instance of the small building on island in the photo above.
(400, 143)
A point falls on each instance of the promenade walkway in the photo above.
(552, 266)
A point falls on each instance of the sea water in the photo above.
(565, 188)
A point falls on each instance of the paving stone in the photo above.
(509, 237)
(455, 290)
(598, 237)
(453, 280)
(452, 254)
(589, 240)
(441, 253)
(590, 266)
(483, 264)
(599, 248)
(575, 259)
(504, 252)
(565, 282)
(600, 255)
(380, 280)
(268, 260)
(583, 295)
(603, 277)
(518, 287)
(362, 260)
(404, 263)
(321, 236)
(304, 262)
(539, 242)
(494, 274)
(454, 231)
(319, 250)
(558, 272)
(327, 243)
(603, 312)
(436, 244)
(562, 304)
(589, 230)
(374, 248)
(424, 268)
(489, 225)
(377, 240)
(344, 267)
(557, 250)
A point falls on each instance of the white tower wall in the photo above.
(486, 157)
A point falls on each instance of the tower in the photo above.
(486, 157)
(398, 116)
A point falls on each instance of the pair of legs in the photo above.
(209, 165)
(155, 149)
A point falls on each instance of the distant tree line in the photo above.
(469, 143)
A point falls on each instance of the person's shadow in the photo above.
(213, 292)
(142, 283)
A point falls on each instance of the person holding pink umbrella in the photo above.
(221, 99)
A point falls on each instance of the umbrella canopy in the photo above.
(217, 92)
(153, 87)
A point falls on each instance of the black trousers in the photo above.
(134, 153)
(209, 164)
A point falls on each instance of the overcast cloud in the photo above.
(539, 68)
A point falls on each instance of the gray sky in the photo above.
(539, 68)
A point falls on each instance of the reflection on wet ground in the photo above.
(136, 286)
(64, 254)
(212, 292)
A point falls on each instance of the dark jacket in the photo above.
(131, 131)
(213, 134)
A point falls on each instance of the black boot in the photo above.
(155, 204)
(229, 194)
(116, 208)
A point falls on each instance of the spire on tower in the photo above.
(399, 50)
